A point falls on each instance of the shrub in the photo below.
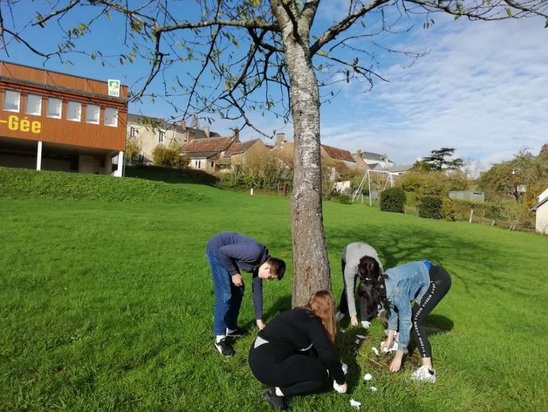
(392, 200)
(345, 199)
(447, 209)
(430, 207)
(169, 156)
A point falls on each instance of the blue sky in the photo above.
(481, 89)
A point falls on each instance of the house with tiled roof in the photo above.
(150, 132)
(210, 154)
(375, 161)
(338, 155)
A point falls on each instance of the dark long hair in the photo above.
(371, 286)
(368, 268)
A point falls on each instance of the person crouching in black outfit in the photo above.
(295, 355)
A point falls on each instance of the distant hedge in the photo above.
(25, 183)
(430, 207)
(392, 200)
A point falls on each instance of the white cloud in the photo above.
(481, 89)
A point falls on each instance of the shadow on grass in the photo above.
(170, 175)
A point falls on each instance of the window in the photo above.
(160, 136)
(92, 114)
(34, 104)
(12, 100)
(54, 107)
(132, 131)
(197, 164)
(74, 111)
(111, 117)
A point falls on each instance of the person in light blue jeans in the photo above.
(229, 254)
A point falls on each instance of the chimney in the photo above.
(206, 130)
(280, 140)
(236, 134)
(183, 124)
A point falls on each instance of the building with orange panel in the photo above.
(56, 121)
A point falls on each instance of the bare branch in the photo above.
(343, 25)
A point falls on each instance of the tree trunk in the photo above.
(310, 263)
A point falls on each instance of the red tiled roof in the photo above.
(338, 154)
(239, 147)
(210, 145)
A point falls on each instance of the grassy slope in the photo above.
(107, 304)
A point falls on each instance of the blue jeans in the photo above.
(228, 298)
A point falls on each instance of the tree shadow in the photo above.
(171, 175)
(349, 344)
(437, 324)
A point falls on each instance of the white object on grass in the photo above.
(355, 404)
(338, 388)
(373, 389)
(366, 324)
(345, 368)
(368, 377)
(375, 351)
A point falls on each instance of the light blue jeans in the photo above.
(228, 298)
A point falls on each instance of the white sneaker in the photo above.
(339, 316)
(424, 374)
(366, 324)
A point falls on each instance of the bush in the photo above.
(345, 199)
(430, 207)
(169, 156)
(392, 200)
(448, 209)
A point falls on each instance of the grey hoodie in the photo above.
(351, 255)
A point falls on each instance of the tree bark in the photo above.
(310, 262)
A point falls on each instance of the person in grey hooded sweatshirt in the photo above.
(353, 264)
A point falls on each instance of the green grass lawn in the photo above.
(107, 301)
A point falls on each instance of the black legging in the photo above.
(343, 303)
(440, 283)
(294, 373)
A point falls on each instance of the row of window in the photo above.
(54, 109)
(161, 134)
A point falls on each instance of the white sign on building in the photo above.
(114, 88)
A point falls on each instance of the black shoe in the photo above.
(277, 402)
(224, 347)
(236, 333)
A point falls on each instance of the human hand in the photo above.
(340, 388)
(386, 345)
(354, 320)
(260, 324)
(237, 280)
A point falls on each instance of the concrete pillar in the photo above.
(120, 166)
(39, 156)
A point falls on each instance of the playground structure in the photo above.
(387, 178)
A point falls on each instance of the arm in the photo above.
(257, 294)
(395, 317)
(327, 355)
(349, 285)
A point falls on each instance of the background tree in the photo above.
(133, 151)
(253, 55)
(439, 159)
(508, 179)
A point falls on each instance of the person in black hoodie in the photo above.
(229, 254)
(295, 355)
